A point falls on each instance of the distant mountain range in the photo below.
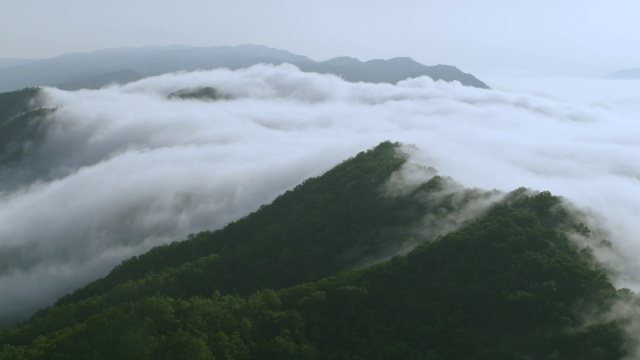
(5, 63)
(92, 70)
(625, 74)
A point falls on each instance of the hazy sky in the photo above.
(567, 37)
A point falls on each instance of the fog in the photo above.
(125, 168)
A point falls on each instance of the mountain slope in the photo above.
(317, 229)
(389, 71)
(146, 61)
(23, 126)
(21, 123)
(96, 82)
(279, 283)
(97, 68)
(10, 62)
(625, 74)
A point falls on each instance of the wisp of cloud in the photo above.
(125, 168)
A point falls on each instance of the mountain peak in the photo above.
(289, 282)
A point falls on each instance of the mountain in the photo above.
(9, 62)
(21, 124)
(625, 74)
(96, 82)
(356, 263)
(146, 61)
(389, 71)
(98, 68)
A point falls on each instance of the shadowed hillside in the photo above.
(21, 123)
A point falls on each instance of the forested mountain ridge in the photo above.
(21, 123)
(289, 282)
(304, 229)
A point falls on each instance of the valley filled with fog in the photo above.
(125, 168)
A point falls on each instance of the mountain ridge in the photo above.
(504, 284)
(631, 73)
(81, 68)
(11, 62)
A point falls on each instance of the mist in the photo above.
(126, 168)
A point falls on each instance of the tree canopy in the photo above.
(321, 273)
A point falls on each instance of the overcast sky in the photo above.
(566, 37)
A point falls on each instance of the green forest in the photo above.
(21, 124)
(324, 272)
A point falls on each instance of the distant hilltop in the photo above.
(93, 70)
(633, 73)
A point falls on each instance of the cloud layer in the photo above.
(125, 168)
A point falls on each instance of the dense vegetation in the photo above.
(290, 282)
(199, 93)
(22, 124)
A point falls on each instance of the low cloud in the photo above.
(126, 168)
(448, 205)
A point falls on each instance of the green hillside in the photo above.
(290, 281)
(22, 124)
